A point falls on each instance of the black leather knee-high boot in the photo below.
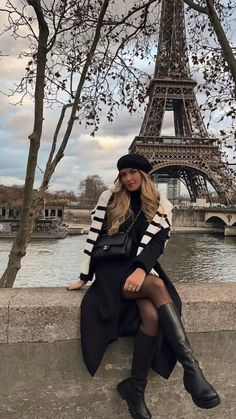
(203, 394)
(132, 389)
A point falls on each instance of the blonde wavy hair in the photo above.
(119, 209)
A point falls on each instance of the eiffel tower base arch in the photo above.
(191, 168)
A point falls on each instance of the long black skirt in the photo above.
(107, 315)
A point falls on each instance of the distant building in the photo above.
(201, 202)
(53, 211)
(173, 190)
(47, 212)
(172, 186)
(89, 188)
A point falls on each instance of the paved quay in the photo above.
(49, 381)
(43, 375)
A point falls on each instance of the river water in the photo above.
(187, 257)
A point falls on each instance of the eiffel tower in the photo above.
(191, 154)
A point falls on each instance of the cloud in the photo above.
(19, 123)
(124, 124)
(12, 69)
(10, 180)
(12, 61)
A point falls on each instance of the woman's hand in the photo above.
(134, 282)
(76, 285)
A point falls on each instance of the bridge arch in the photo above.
(215, 221)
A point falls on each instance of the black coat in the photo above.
(106, 315)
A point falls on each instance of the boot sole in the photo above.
(206, 404)
(122, 392)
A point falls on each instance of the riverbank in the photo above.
(77, 229)
(198, 230)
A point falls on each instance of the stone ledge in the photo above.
(53, 314)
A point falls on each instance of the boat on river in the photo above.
(45, 228)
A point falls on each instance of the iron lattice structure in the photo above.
(191, 154)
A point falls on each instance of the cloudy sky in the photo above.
(85, 155)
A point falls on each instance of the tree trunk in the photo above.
(222, 39)
(27, 214)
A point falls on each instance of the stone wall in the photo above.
(181, 217)
(52, 314)
(188, 217)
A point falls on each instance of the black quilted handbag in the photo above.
(114, 246)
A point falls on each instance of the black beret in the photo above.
(135, 161)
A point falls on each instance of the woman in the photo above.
(133, 295)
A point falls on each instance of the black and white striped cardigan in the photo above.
(162, 219)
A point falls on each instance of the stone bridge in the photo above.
(225, 215)
(217, 219)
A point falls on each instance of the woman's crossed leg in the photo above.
(153, 289)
